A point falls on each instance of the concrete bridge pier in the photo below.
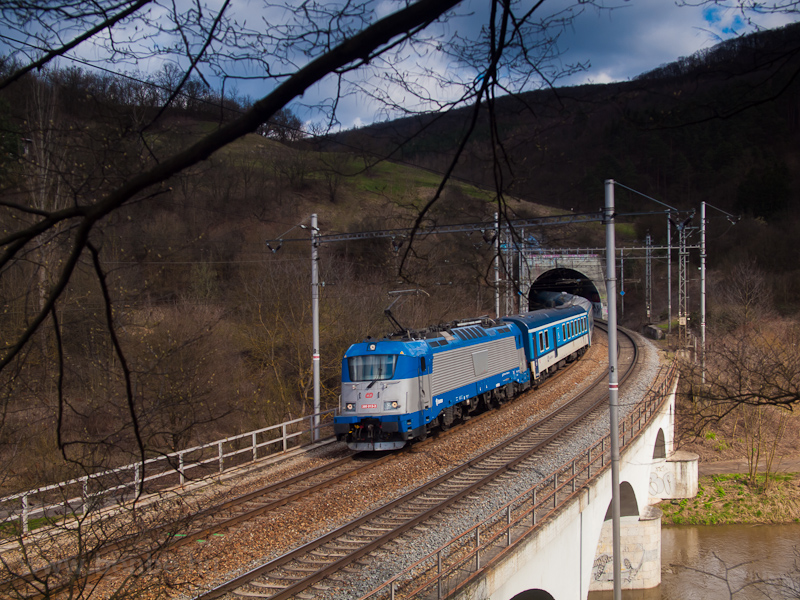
(569, 554)
(671, 478)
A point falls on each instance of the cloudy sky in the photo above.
(644, 34)
(617, 44)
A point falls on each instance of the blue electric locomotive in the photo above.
(399, 388)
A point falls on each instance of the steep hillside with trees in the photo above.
(721, 126)
(199, 300)
(142, 310)
(214, 323)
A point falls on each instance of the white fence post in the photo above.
(573, 475)
(139, 469)
(439, 572)
(508, 525)
(478, 548)
(26, 511)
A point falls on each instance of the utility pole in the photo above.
(622, 283)
(648, 279)
(669, 274)
(703, 290)
(315, 321)
(683, 289)
(518, 267)
(613, 384)
(497, 265)
(733, 219)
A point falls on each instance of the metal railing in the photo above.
(458, 562)
(79, 495)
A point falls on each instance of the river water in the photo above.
(695, 559)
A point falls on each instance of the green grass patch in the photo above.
(11, 529)
(731, 498)
(625, 230)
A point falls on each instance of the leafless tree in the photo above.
(744, 296)
(118, 164)
(296, 48)
(752, 382)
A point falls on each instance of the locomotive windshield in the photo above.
(372, 367)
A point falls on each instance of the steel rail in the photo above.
(143, 556)
(148, 554)
(508, 464)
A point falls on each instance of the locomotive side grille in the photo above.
(455, 368)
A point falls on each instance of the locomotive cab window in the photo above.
(371, 367)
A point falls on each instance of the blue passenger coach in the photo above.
(555, 336)
(397, 389)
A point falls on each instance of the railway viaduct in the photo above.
(569, 554)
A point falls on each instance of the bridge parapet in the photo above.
(548, 539)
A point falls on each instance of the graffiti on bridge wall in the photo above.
(629, 571)
(661, 484)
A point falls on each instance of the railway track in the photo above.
(304, 571)
(142, 547)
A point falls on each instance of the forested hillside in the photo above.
(180, 313)
(721, 126)
(213, 325)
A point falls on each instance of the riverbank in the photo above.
(726, 499)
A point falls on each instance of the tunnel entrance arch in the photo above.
(565, 271)
(564, 280)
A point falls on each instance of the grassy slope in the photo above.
(728, 499)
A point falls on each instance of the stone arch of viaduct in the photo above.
(571, 554)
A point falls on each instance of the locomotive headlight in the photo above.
(393, 405)
(350, 406)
